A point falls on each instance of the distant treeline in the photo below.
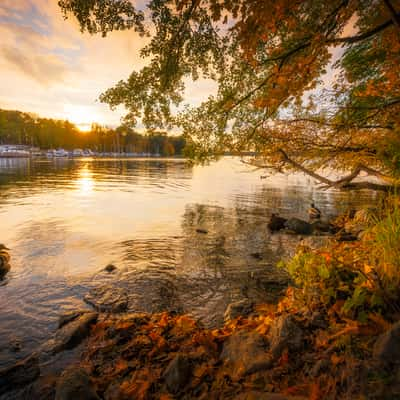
(28, 129)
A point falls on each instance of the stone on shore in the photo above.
(71, 334)
(387, 346)
(75, 384)
(245, 353)
(70, 316)
(255, 395)
(241, 308)
(285, 333)
(20, 374)
(178, 373)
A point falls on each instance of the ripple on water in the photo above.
(183, 238)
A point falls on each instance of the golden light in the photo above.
(85, 182)
(84, 127)
(81, 116)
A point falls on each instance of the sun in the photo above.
(84, 127)
(82, 116)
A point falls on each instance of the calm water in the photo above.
(64, 220)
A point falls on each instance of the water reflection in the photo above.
(183, 238)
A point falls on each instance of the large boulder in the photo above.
(387, 346)
(285, 333)
(71, 334)
(299, 226)
(75, 384)
(245, 353)
(20, 374)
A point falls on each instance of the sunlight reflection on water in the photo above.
(64, 220)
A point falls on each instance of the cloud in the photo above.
(46, 69)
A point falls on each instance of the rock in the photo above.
(276, 223)
(318, 321)
(324, 227)
(178, 373)
(240, 308)
(108, 299)
(285, 333)
(71, 334)
(75, 384)
(20, 374)
(4, 261)
(257, 255)
(387, 346)
(360, 222)
(245, 353)
(255, 395)
(70, 316)
(199, 230)
(344, 236)
(319, 367)
(298, 226)
(110, 268)
(316, 242)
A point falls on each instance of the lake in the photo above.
(183, 238)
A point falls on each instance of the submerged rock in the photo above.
(177, 373)
(71, 334)
(20, 374)
(110, 268)
(245, 353)
(75, 384)
(240, 308)
(108, 299)
(276, 223)
(4, 261)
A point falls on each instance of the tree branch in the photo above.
(345, 182)
(395, 16)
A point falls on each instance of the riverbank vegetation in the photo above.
(333, 335)
(309, 86)
(28, 129)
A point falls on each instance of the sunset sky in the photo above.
(50, 68)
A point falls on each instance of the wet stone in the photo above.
(108, 299)
(245, 353)
(69, 317)
(20, 374)
(110, 268)
(75, 384)
(299, 226)
(71, 334)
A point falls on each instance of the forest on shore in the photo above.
(18, 127)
